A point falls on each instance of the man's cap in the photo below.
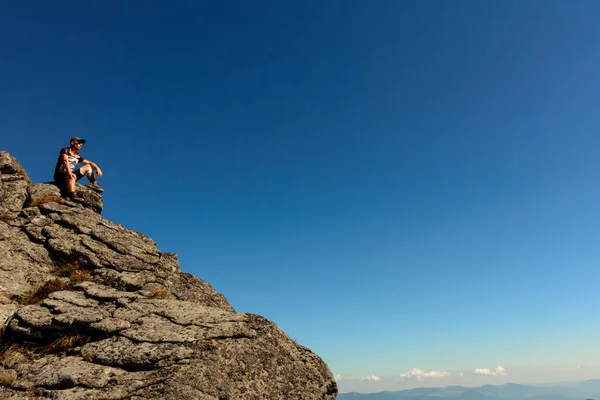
(78, 139)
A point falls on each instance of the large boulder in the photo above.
(13, 184)
(39, 193)
(90, 310)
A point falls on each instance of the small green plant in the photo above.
(113, 281)
(87, 356)
(37, 392)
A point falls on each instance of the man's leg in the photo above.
(88, 171)
(70, 182)
(71, 185)
(66, 184)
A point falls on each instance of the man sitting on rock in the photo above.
(65, 173)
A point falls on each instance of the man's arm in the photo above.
(94, 167)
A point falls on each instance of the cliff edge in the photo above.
(92, 310)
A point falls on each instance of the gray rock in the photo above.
(158, 330)
(111, 325)
(73, 315)
(7, 375)
(22, 332)
(68, 372)
(126, 322)
(124, 353)
(74, 298)
(40, 193)
(12, 195)
(13, 184)
(104, 293)
(8, 164)
(6, 313)
(34, 316)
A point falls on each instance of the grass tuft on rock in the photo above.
(22, 173)
(46, 199)
(72, 270)
(7, 377)
(66, 268)
(6, 216)
(65, 343)
(42, 292)
(159, 293)
(14, 353)
(114, 282)
(7, 353)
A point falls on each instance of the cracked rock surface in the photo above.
(92, 310)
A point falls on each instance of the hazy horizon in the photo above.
(551, 376)
(568, 390)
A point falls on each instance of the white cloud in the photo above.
(419, 374)
(498, 371)
(483, 371)
(371, 378)
(337, 377)
(460, 374)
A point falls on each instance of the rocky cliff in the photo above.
(92, 310)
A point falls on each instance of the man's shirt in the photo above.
(73, 161)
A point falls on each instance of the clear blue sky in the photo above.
(396, 184)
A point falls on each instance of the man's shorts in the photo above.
(61, 177)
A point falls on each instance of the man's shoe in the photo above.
(95, 186)
(74, 196)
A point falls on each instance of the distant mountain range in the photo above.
(568, 391)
